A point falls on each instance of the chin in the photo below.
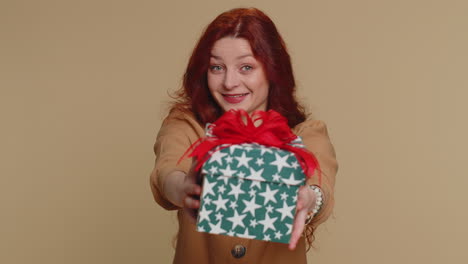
(242, 108)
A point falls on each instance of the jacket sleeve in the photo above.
(174, 138)
(315, 137)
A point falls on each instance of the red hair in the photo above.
(267, 46)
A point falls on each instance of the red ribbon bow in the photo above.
(237, 127)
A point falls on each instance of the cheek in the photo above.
(213, 82)
(260, 85)
(264, 92)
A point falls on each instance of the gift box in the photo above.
(251, 180)
(250, 191)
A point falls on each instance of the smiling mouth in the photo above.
(234, 98)
(235, 95)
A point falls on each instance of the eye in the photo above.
(216, 68)
(246, 68)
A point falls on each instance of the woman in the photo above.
(240, 62)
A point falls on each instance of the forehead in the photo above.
(231, 48)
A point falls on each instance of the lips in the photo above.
(235, 98)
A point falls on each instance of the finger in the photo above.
(191, 203)
(193, 189)
(298, 228)
(305, 196)
(306, 199)
(299, 205)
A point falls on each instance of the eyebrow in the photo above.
(239, 57)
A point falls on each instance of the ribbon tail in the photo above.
(189, 150)
(308, 162)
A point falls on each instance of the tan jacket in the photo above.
(178, 131)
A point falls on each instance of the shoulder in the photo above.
(311, 126)
(177, 115)
(181, 122)
(314, 134)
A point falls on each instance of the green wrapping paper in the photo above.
(250, 191)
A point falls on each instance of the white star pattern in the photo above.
(233, 205)
(259, 162)
(247, 192)
(291, 180)
(218, 157)
(255, 184)
(220, 203)
(268, 223)
(221, 189)
(228, 171)
(253, 223)
(280, 162)
(208, 187)
(264, 150)
(213, 170)
(255, 177)
(233, 148)
(246, 234)
(269, 208)
(207, 200)
(251, 206)
(294, 165)
(248, 147)
(216, 229)
(241, 175)
(269, 195)
(286, 211)
(204, 215)
(243, 161)
(236, 190)
(276, 177)
(223, 178)
(237, 219)
(284, 196)
(219, 216)
(278, 235)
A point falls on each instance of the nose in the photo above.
(231, 79)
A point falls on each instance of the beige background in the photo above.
(84, 88)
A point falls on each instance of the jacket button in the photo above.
(238, 251)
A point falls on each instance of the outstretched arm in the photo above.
(315, 136)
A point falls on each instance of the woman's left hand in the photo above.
(305, 203)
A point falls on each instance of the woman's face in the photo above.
(235, 78)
